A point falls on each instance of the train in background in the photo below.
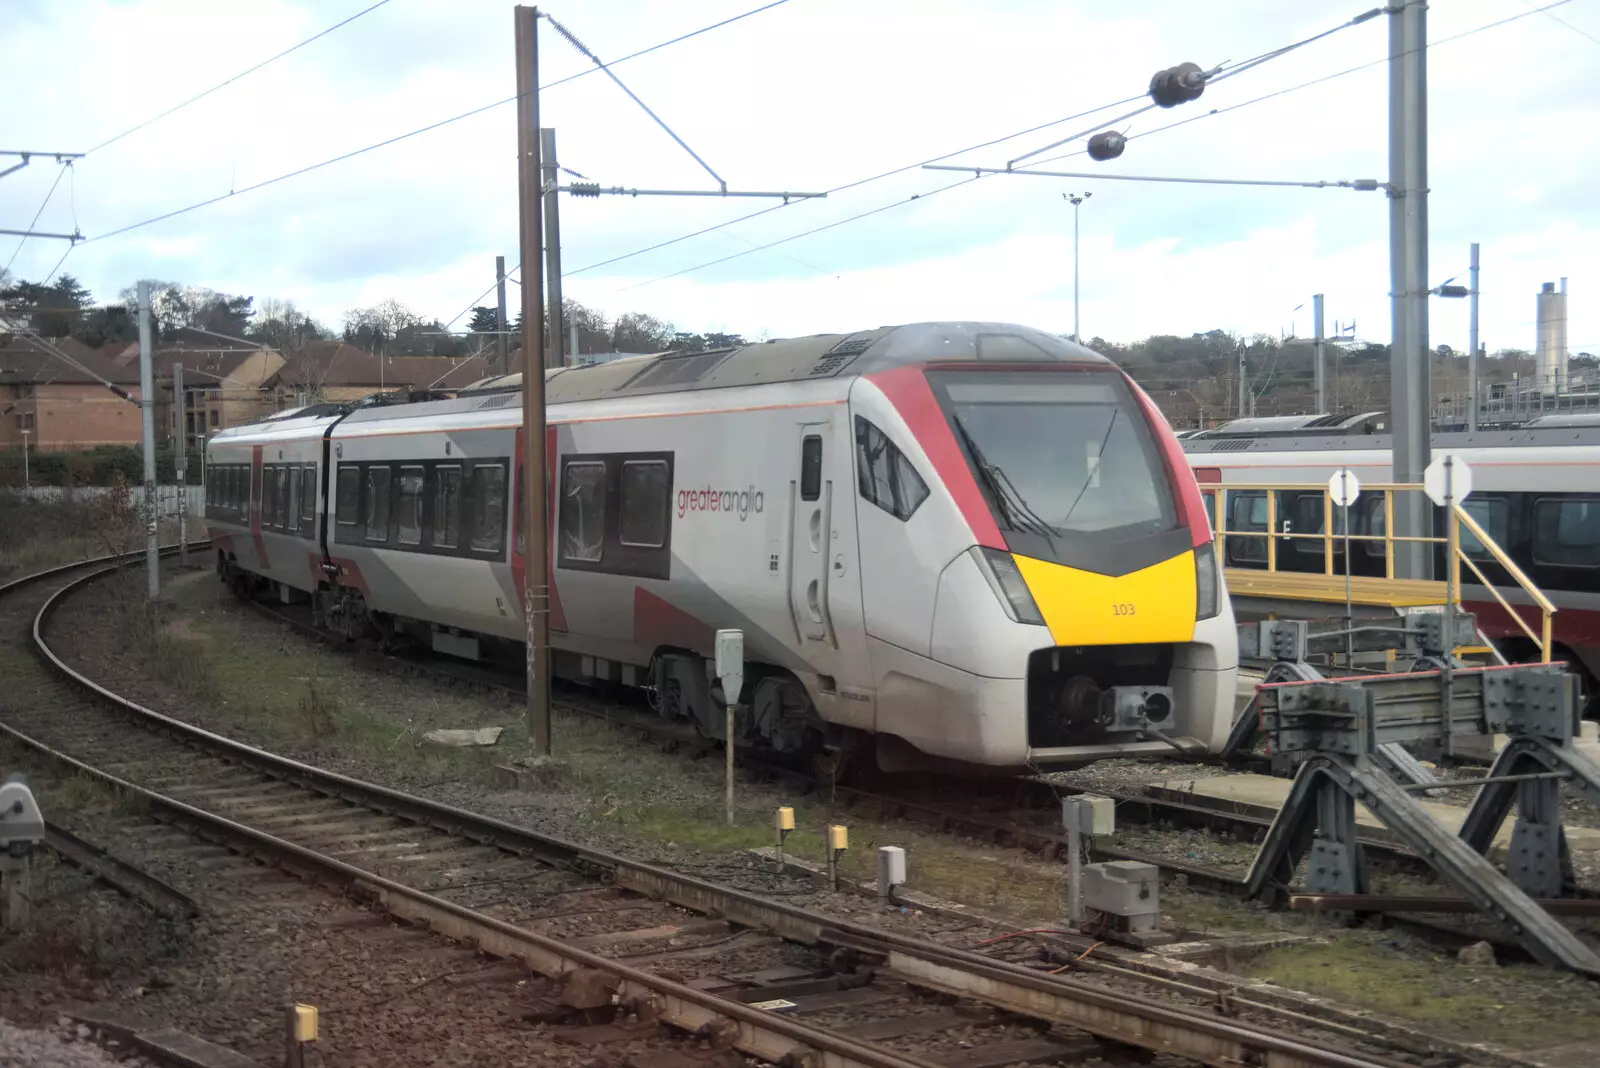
(1536, 493)
(967, 544)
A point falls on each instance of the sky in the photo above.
(808, 96)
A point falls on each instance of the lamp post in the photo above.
(1075, 199)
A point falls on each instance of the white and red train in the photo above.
(966, 542)
(1535, 491)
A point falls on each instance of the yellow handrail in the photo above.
(1535, 594)
(1455, 553)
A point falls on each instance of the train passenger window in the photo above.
(291, 502)
(308, 498)
(583, 511)
(488, 507)
(1566, 532)
(347, 500)
(1308, 520)
(408, 517)
(1493, 514)
(237, 497)
(883, 474)
(646, 496)
(377, 519)
(1377, 523)
(285, 510)
(811, 467)
(447, 507)
(270, 497)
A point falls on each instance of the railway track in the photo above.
(629, 946)
(1022, 813)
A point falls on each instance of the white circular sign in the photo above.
(1447, 478)
(1344, 487)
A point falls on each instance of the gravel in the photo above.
(68, 1046)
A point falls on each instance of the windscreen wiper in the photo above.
(1014, 511)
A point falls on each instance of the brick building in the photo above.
(222, 387)
(63, 407)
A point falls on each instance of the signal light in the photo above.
(1107, 144)
(1177, 85)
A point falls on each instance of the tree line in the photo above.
(1200, 371)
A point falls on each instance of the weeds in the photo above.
(319, 713)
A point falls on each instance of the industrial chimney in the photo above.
(1552, 343)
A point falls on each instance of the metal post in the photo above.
(1452, 547)
(27, 479)
(727, 798)
(147, 411)
(1074, 869)
(180, 461)
(1472, 343)
(502, 340)
(536, 560)
(572, 341)
(1408, 277)
(1321, 372)
(552, 246)
(1076, 336)
(1075, 199)
(1242, 386)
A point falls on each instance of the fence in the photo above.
(167, 497)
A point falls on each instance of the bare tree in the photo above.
(377, 328)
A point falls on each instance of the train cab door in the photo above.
(810, 544)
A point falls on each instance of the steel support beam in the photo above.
(1324, 774)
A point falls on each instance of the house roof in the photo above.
(205, 363)
(337, 364)
(23, 360)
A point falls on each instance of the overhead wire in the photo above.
(779, 207)
(62, 170)
(1316, 81)
(1219, 73)
(1079, 152)
(423, 129)
(223, 84)
(1557, 18)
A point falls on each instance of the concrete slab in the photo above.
(1263, 795)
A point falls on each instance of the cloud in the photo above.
(807, 96)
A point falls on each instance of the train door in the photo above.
(810, 546)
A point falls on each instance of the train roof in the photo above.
(1532, 435)
(800, 359)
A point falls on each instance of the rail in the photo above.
(1249, 539)
(1153, 1024)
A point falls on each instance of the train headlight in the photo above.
(1207, 589)
(1001, 571)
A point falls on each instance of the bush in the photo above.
(98, 466)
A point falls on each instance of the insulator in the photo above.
(1177, 85)
(1454, 291)
(1107, 144)
(584, 189)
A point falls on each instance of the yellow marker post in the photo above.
(838, 842)
(301, 1029)
(783, 823)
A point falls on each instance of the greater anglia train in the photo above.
(961, 542)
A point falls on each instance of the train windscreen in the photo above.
(1067, 461)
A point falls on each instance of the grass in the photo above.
(1522, 1005)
